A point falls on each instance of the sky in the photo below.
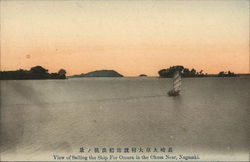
(131, 37)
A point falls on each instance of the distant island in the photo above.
(142, 75)
(37, 72)
(187, 73)
(99, 73)
(227, 74)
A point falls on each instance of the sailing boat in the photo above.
(176, 84)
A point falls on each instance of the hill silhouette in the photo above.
(185, 72)
(99, 73)
(36, 72)
(191, 73)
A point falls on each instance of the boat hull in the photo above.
(174, 93)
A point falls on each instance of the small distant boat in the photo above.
(176, 84)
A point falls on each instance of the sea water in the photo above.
(211, 114)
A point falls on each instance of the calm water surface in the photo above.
(211, 114)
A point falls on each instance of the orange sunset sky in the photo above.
(131, 37)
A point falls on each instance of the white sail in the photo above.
(177, 81)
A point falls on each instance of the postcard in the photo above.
(141, 80)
